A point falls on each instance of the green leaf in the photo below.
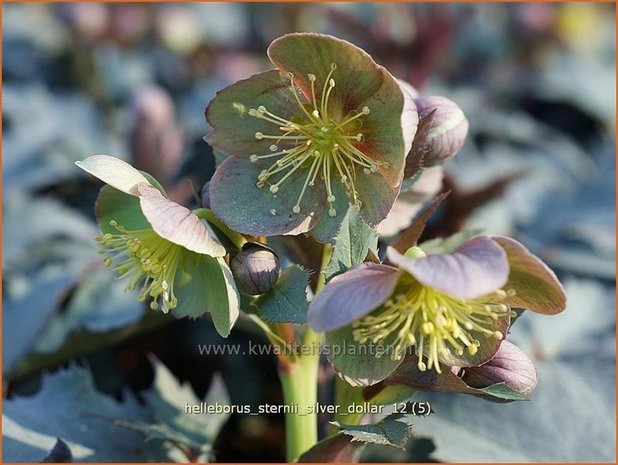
(26, 316)
(286, 302)
(99, 304)
(354, 240)
(340, 448)
(357, 363)
(31, 425)
(502, 391)
(387, 432)
(192, 434)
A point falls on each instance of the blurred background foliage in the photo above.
(86, 362)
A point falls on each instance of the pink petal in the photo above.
(351, 295)
(176, 223)
(113, 171)
(479, 266)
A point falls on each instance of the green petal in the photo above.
(377, 196)
(205, 284)
(377, 199)
(245, 208)
(537, 287)
(359, 82)
(357, 363)
(113, 171)
(113, 204)
(233, 128)
(176, 223)
(328, 227)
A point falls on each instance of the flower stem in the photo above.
(299, 381)
(299, 384)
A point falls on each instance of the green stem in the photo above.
(299, 381)
(299, 384)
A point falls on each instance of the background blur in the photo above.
(85, 362)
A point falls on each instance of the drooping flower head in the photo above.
(161, 248)
(328, 129)
(452, 309)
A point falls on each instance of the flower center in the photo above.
(433, 322)
(319, 143)
(143, 255)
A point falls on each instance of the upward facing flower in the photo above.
(328, 129)
(161, 246)
(453, 309)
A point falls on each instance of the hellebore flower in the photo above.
(509, 375)
(453, 309)
(327, 129)
(161, 246)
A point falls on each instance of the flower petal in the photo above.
(176, 223)
(114, 171)
(241, 205)
(228, 113)
(536, 285)
(487, 349)
(516, 372)
(387, 129)
(205, 284)
(114, 205)
(510, 365)
(351, 295)
(357, 363)
(479, 266)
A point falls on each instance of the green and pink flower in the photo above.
(451, 308)
(327, 130)
(162, 248)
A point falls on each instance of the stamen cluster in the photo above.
(433, 322)
(318, 143)
(143, 256)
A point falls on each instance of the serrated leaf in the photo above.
(387, 432)
(286, 302)
(61, 453)
(340, 448)
(352, 243)
(32, 424)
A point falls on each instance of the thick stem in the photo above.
(299, 384)
(299, 381)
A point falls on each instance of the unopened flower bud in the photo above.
(445, 131)
(510, 366)
(256, 269)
